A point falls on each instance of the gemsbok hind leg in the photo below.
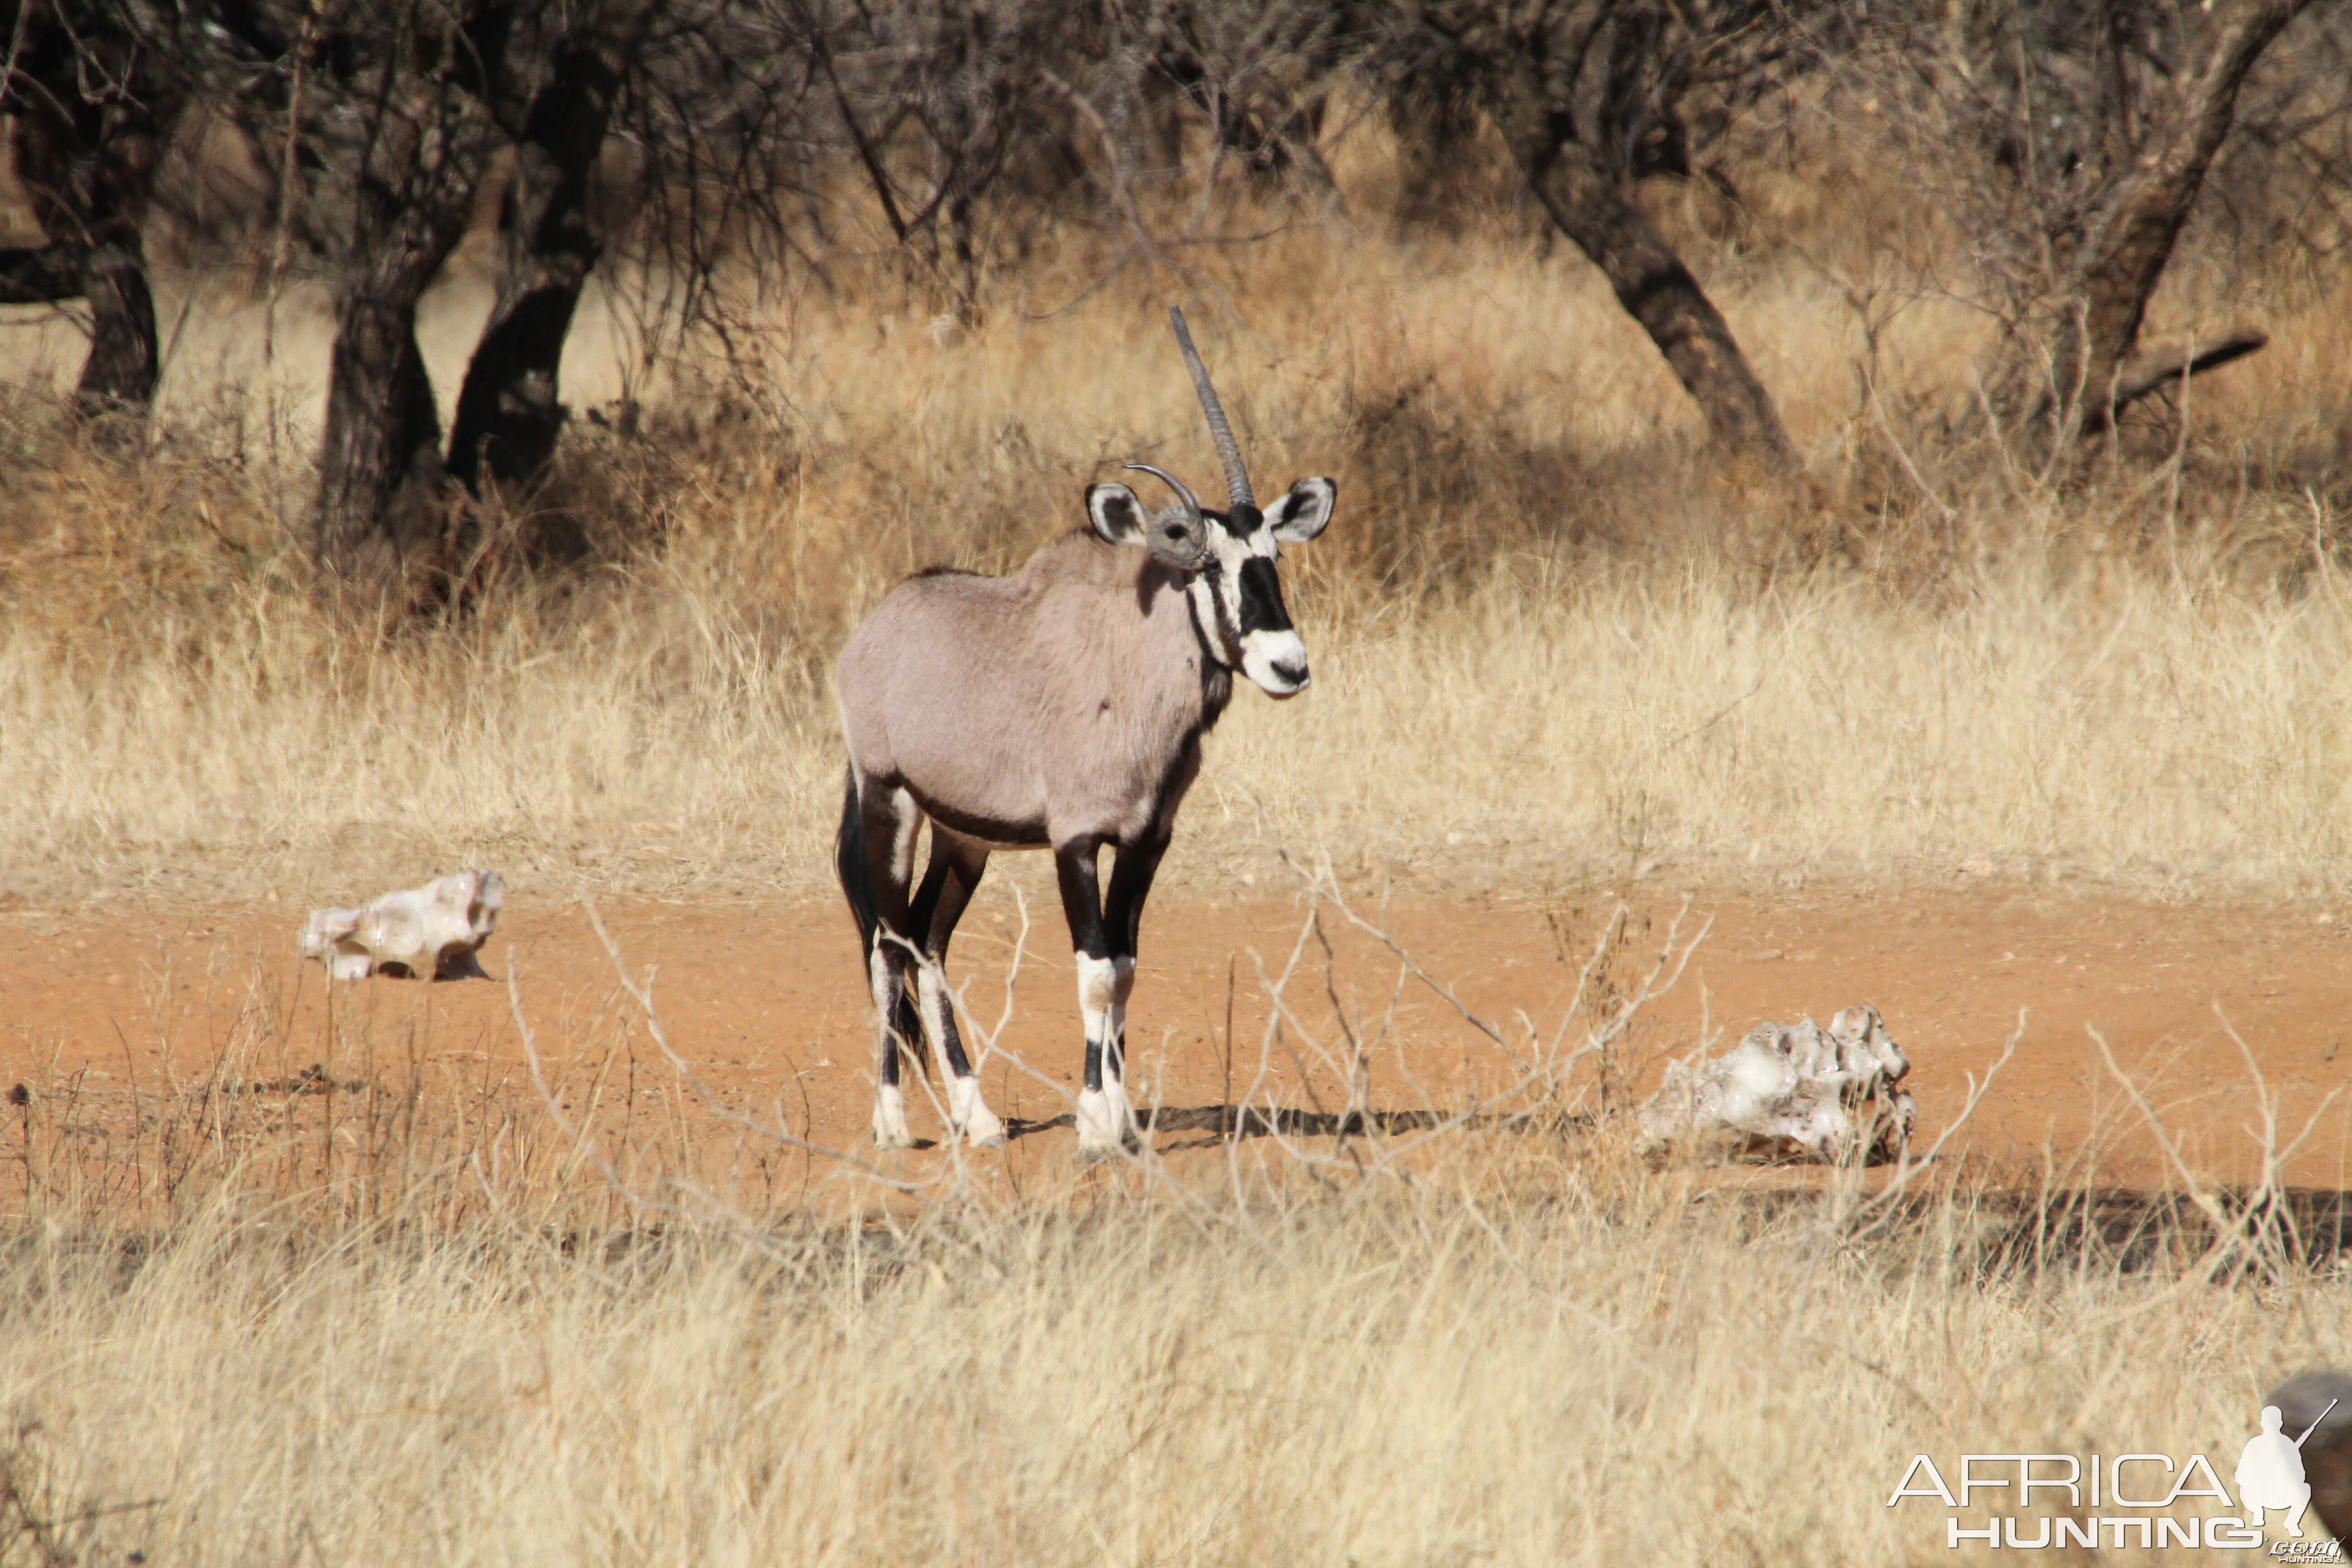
(957, 865)
(890, 819)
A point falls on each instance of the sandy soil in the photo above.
(763, 1000)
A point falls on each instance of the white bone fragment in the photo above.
(1794, 1090)
(434, 930)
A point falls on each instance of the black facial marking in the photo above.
(1262, 608)
(1221, 640)
(1244, 520)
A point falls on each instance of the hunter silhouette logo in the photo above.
(2270, 1472)
(2120, 1501)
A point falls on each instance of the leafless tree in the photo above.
(1591, 96)
(2067, 148)
(551, 78)
(91, 110)
(380, 123)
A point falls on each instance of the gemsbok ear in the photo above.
(1118, 517)
(1304, 511)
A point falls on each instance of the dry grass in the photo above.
(1499, 690)
(1550, 635)
(1397, 1377)
(381, 1315)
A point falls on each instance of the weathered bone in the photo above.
(435, 929)
(1789, 1091)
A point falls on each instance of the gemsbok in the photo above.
(1059, 707)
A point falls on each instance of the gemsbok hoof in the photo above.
(890, 1131)
(969, 1116)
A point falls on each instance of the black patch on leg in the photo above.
(1082, 907)
(904, 1030)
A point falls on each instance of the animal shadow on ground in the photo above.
(1224, 1121)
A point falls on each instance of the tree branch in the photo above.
(43, 275)
(2152, 369)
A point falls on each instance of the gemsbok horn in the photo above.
(1059, 707)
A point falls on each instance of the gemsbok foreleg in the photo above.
(1131, 871)
(1105, 1124)
(957, 865)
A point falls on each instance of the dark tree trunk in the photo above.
(392, 201)
(508, 417)
(118, 378)
(2098, 327)
(382, 517)
(87, 162)
(381, 513)
(1535, 100)
(1658, 291)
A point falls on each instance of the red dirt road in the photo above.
(763, 1000)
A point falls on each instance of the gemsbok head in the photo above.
(1059, 707)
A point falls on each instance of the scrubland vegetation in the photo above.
(1560, 627)
(1547, 627)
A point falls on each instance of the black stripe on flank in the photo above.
(988, 830)
(1261, 592)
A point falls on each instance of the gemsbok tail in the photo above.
(857, 873)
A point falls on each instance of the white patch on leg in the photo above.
(931, 1001)
(1121, 1114)
(1106, 1123)
(890, 1119)
(1097, 989)
(1121, 1110)
(1122, 985)
(970, 1115)
(1098, 1123)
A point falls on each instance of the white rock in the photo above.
(1790, 1089)
(434, 930)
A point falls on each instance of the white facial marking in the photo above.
(1276, 661)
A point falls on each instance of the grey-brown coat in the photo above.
(1062, 707)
